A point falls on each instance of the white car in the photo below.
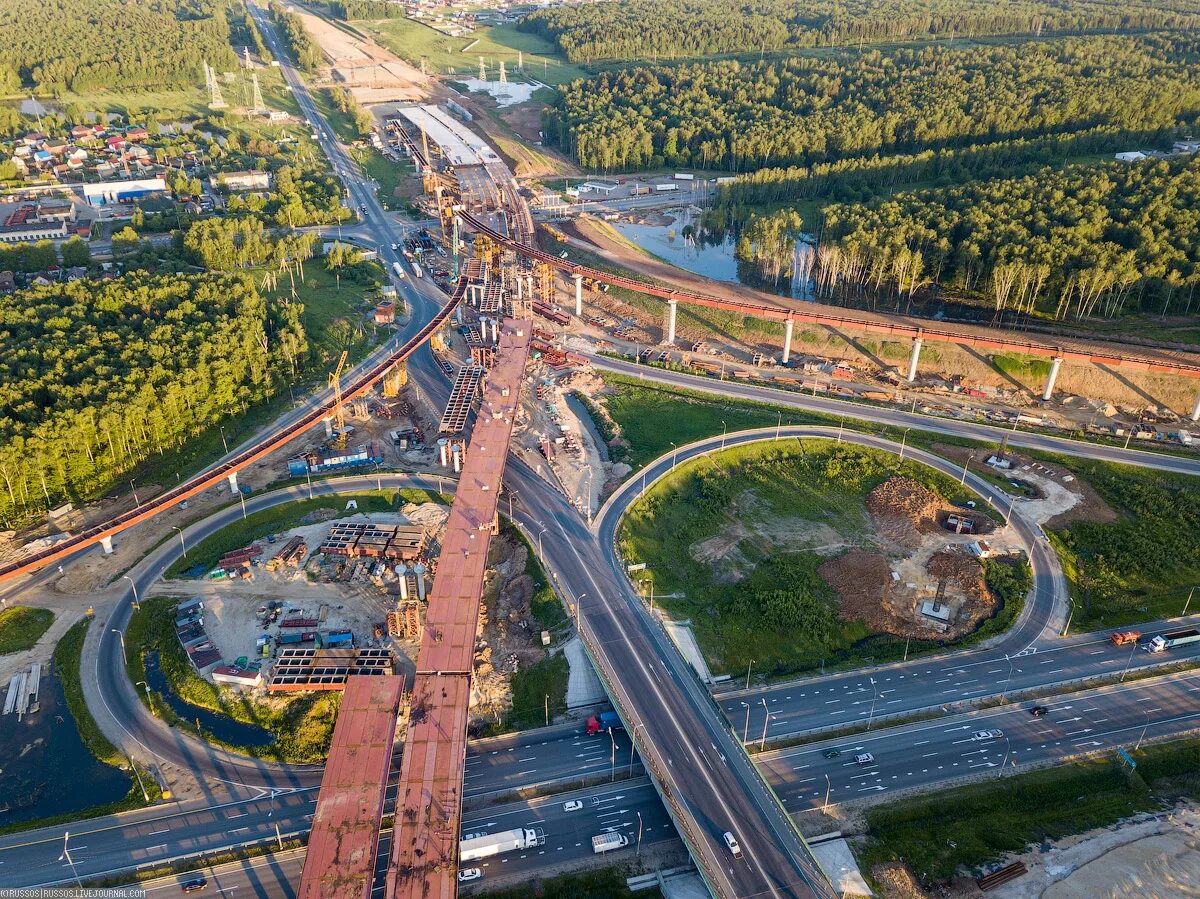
(864, 758)
(987, 734)
(732, 843)
(573, 806)
(466, 875)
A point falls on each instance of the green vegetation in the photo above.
(802, 111)
(536, 688)
(259, 524)
(781, 614)
(650, 418)
(1142, 565)
(79, 45)
(547, 608)
(413, 42)
(973, 825)
(1117, 234)
(607, 883)
(299, 42)
(1023, 368)
(21, 627)
(153, 360)
(302, 724)
(387, 174)
(668, 29)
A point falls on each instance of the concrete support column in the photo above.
(520, 289)
(787, 340)
(443, 446)
(233, 487)
(579, 295)
(419, 572)
(1055, 365)
(402, 573)
(672, 308)
(1196, 410)
(913, 360)
(106, 543)
(328, 427)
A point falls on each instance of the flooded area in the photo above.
(220, 726)
(45, 768)
(667, 242)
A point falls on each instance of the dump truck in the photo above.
(496, 843)
(605, 721)
(1163, 642)
(1124, 638)
(605, 842)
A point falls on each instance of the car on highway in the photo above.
(572, 806)
(395, 246)
(831, 753)
(732, 843)
(466, 875)
(195, 885)
(1038, 711)
(864, 758)
(987, 734)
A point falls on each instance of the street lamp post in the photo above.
(828, 787)
(674, 455)
(762, 744)
(1189, 600)
(149, 700)
(137, 603)
(136, 501)
(1142, 735)
(778, 425)
(871, 716)
(748, 667)
(639, 845)
(121, 637)
(1129, 661)
(66, 853)
(181, 543)
(724, 431)
(746, 726)
(613, 737)
(1070, 615)
(903, 442)
(224, 442)
(1003, 692)
(1007, 752)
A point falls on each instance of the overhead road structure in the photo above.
(104, 532)
(1069, 350)
(424, 860)
(344, 841)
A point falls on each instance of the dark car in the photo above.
(1038, 711)
(831, 753)
(195, 885)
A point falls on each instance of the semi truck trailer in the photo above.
(497, 843)
(1163, 642)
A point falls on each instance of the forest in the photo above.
(1080, 241)
(671, 29)
(95, 377)
(303, 48)
(803, 111)
(56, 46)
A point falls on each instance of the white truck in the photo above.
(663, 188)
(684, 176)
(1163, 642)
(496, 843)
(606, 842)
(417, 269)
(398, 270)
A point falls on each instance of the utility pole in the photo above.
(66, 853)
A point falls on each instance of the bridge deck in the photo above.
(343, 845)
(424, 861)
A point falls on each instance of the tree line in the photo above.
(671, 29)
(1076, 242)
(301, 44)
(353, 10)
(96, 377)
(803, 111)
(57, 46)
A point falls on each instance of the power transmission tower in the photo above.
(258, 104)
(215, 99)
(246, 56)
(482, 70)
(503, 76)
(520, 61)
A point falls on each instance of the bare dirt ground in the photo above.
(1149, 855)
(43, 650)
(1129, 392)
(373, 73)
(913, 561)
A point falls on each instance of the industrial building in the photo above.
(109, 193)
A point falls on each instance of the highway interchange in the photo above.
(703, 769)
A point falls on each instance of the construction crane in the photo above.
(339, 412)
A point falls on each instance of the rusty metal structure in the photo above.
(424, 860)
(344, 842)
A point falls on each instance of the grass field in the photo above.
(413, 42)
(387, 174)
(21, 627)
(536, 689)
(973, 825)
(607, 883)
(1141, 566)
(302, 723)
(778, 612)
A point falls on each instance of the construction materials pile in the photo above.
(903, 509)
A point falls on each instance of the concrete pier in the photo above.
(672, 308)
(787, 340)
(1055, 365)
(913, 360)
(579, 295)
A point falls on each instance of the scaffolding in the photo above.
(462, 400)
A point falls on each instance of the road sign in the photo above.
(1125, 755)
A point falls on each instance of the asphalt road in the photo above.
(937, 752)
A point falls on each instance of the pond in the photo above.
(222, 727)
(45, 768)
